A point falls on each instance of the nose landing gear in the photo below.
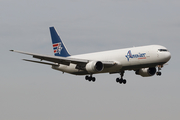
(121, 80)
(158, 73)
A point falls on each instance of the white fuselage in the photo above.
(125, 59)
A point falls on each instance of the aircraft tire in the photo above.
(121, 81)
(117, 80)
(158, 73)
(87, 77)
(124, 81)
(93, 79)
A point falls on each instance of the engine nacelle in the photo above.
(94, 66)
(146, 72)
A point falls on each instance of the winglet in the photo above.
(58, 46)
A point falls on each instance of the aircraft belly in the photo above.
(146, 65)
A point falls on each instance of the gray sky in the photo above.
(30, 91)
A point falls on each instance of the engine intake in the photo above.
(94, 66)
(146, 72)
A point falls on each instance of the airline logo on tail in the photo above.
(139, 56)
(57, 47)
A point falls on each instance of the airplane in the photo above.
(144, 60)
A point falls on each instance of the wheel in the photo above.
(90, 79)
(158, 73)
(87, 77)
(124, 81)
(93, 79)
(121, 81)
(117, 80)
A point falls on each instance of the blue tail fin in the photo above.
(58, 46)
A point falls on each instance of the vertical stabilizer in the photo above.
(58, 46)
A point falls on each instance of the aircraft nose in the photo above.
(168, 56)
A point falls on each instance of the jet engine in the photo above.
(94, 66)
(146, 72)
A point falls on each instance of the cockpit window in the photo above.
(162, 50)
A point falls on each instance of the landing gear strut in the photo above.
(121, 80)
(158, 73)
(90, 78)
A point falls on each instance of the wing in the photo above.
(81, 63)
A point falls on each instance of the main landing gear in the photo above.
(158, 73)
(118, 80)
(90, 78)
(121, 80)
